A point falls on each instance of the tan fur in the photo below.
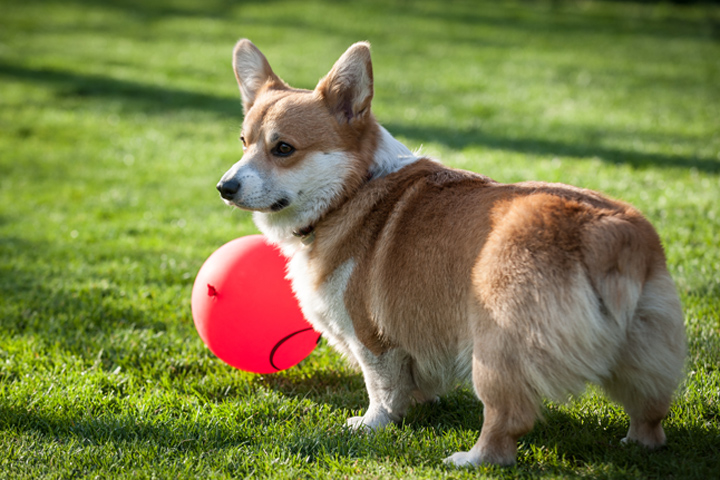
(424, 273)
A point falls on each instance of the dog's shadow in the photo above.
(562, 439)
(323, 378)
(326, 380)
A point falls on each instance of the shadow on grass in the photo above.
(143, 97)
(340, 388)
(121, 429)
(560, 445)
(155, 99)
(579, 439)
(536, 17)
(589, 438)
(460, 139)
(576, 439)
(160, 9)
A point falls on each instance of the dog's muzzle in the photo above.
(228, 188)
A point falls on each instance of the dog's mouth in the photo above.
(280, 204)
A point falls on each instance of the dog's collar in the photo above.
(307, 234)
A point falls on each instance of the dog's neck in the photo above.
(306, 234)
(390, 156)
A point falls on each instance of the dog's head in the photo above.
(304, 150)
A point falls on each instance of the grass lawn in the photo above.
(118, 117)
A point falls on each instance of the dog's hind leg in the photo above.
(650, 366)
(510, 404)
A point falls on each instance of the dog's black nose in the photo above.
(228, 188)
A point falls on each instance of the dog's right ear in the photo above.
(253, 72)
(348, 88)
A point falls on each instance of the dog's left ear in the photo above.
(348, 88)
(253, 72)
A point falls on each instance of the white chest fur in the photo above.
(324, 306)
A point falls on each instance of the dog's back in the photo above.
(538, 288)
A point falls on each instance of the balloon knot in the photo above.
(211, 291)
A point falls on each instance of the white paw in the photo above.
(373, 419)
(358, 424)
(462, 459)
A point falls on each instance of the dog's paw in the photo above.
(478, 456)
(357, 424)
(462, 459)
(374, 419)
(649, 444)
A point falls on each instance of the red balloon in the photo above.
(245, 310)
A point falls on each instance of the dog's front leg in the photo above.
(389, 384)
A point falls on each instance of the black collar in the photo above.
(307, 234)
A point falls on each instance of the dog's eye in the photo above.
(283, 149)
(242, 139)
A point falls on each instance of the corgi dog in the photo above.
(426, 276)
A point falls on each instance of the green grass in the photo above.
(116, 120)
